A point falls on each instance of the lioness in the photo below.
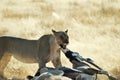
(39, 51)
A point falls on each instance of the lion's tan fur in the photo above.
(38, 51)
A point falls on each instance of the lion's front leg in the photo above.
(42, 64)
(57, 62)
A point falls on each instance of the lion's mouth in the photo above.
(63, 45)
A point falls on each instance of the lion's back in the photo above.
(22, 49)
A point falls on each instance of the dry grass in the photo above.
(116, 72)
(96, 12)
(3, 31)
(13, 14)
(93, 29)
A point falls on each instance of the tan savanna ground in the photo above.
(94, 29)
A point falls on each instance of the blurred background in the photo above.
(93, 27)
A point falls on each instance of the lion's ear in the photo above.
(53, 31)
(66, 31)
